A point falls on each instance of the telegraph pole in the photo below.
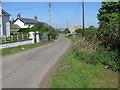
(49, 13)
(83, 14)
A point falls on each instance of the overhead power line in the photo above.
(58, 14)
(27, 8)
(76, 13)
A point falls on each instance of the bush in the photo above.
(79, 30)
(93, 54)
(24, 30)
(66, 31)
(43, 29)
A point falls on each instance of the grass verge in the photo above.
(11, 50)
(75, 73)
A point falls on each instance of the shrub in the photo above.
(43, 28)
(66, 31)
(79, 30)
(93, 54)
(24, 30)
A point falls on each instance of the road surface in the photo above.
(27, 69)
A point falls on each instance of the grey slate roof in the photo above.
(5, 13)
(28, 21)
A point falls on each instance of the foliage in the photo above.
(79, 30)
(89, 33)
(24, 30)
(43, 29)
(107, 35)
(75, 73)
(93, 54)
(108, 32)
(66, 31)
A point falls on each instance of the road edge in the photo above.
(47, 78)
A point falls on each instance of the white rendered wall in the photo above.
(14, 44)
(22, 25)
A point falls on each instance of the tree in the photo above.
(108, 32)
(79, 30)
(43, 28)
(37, 26)
(66, 31)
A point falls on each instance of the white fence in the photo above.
(23, 39)
(14, 38)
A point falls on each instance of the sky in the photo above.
(52, 0)
(61, 12)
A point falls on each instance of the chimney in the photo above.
(13, 20)
(18, 16)
(35, 17)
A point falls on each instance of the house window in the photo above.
(28, 26)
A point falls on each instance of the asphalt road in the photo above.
(27, 69)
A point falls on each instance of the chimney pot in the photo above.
(35, 17)
(13, 20)
(18, 16)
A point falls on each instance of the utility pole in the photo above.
(49, 13)
(83, 14)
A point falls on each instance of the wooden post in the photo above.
(83, 14)
(27, 36)
(5, 39)
(22, 37)
(17, 37)
(12, 38)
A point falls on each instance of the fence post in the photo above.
(5, 39)
(27, 36)
(17, 37)
(22, 37)
(32, 36)
(12, 38)
(37, 37)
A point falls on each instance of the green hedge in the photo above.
(93, 54)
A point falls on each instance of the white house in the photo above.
(4, 22)
(25, 22)
(74, 27)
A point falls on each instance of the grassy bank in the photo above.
(75, 73)
(11, 50)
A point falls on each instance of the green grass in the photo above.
(11, 50)
(75, 73)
